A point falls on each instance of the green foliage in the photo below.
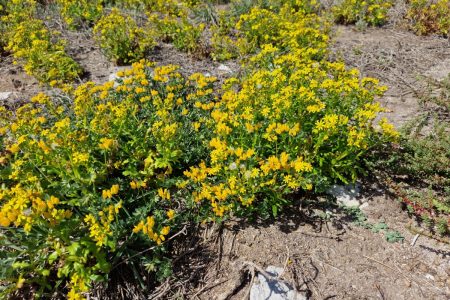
(423, 157)
(360, 219)
(77, 13)
(103, 175)
(393, 236)
(427, 17)
(33, 45)
(79, 176)
(426, 155)
(439, 94)
(373, 12)
(120, 38)
(184, 35)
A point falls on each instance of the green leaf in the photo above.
(274, 210)
(52, 257)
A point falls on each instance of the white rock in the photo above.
(345, 194)
(5, 95)
(224, 68)
(364, 205)
(273, 289)
(429, 276)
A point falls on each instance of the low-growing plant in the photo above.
(177, 8)
(90, 183)
(427, 17)
(287, 28)
(372, 12)
(223, 39)
(278, 133)
(121, 39)
(33, 45)
(80, 13)
(359, 218)
(104, 175)
(184, 35)
(438, 93)
(421, 156)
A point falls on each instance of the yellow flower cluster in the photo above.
(374, 12)
(178, 149)
(24, 207)
(101, 229)
(33, 45)
(428, 17)
(178, 30)
(107, 194)
(76, 13)
(148, 229)
(121, 39)
(298, 116)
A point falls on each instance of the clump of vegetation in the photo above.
(78, 13)
(89, 183)
(428, 17)
(184, 35)
(33, 45)
(283, 26)
(423, 158)
(360, 219)
(372, 12)
(121, 39)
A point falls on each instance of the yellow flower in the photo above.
(171, 214)
(108, 194)
(165, 230)
(164, 194)
(301, 166)
(79, 158)
(115, 189)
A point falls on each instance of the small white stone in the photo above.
(224, 68)
(364, 205)
(269, 289)
(429, 276)
(345, 194)
(5, 95)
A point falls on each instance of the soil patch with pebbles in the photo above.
(399, 59)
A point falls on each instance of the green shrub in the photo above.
(105, 173)
(293, 124)
(77, 13)
(121, 39)
(77, 177)
(428, 17)
(373, 12)
(184, 35)
(32, 45)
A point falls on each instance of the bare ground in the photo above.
(336, 259)
(400, 59)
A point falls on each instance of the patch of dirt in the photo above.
(13, 79)
(335, 259)
(400, 59)
(83, 49)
